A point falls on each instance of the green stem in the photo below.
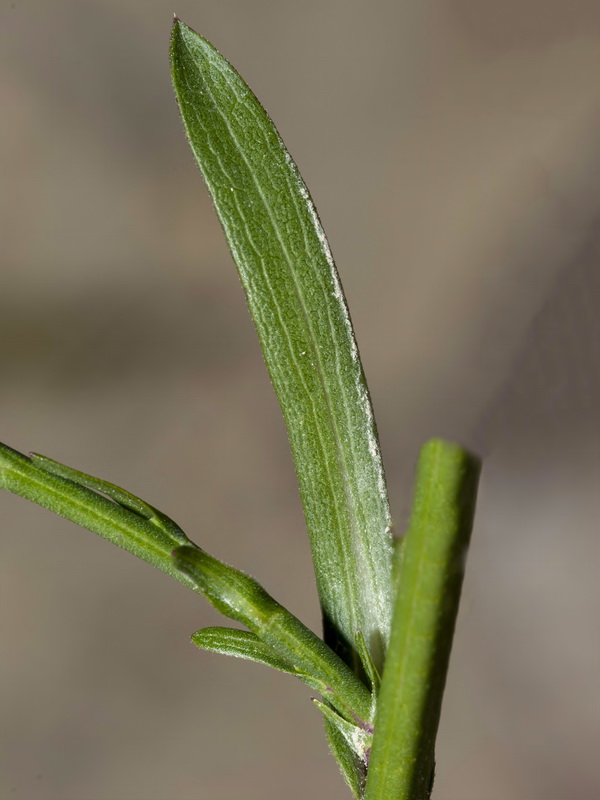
(126, 522)
(240, 597)
(136, 526)
(430, 580)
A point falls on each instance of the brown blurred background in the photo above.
(453, 150)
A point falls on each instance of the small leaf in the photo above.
(243, 644)
(120, 496)
(399, 546)
(351, 766)
(369, 667)
(357, 737)
(297, 304)
(125, 522)
(350, 745)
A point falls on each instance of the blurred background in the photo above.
(453, 150)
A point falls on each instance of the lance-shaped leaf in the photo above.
(358, 738)
(240, 644)
(246, 645)
(240, 597)
(124, 520)
(297, 304)
(121, 496)
(352, 766)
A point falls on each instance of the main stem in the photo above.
(430, 575)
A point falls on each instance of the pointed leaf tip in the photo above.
(246, 645)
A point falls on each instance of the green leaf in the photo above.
(243, 599)
(243, 644)
(358, 737)
(120, 496)
(297, 304)
(371, 671)
(125, 520)
(431, 568)
(351, 765)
